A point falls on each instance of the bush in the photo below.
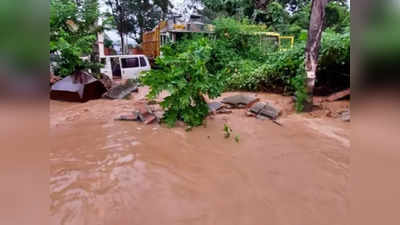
(185, 75)
(231, 60)
(281, 71)
(334, 62)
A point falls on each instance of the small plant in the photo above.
(227, 131)
(298, 83)
(237, 138)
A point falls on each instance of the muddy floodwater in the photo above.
(107, 172)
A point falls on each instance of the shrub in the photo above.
(231, 60)
(185, 75)
(274, 73)
(334, 62)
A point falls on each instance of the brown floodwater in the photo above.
(107, 172)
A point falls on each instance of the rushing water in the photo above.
(106, 172)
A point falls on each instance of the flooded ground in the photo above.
(106, 172)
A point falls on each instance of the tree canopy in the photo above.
(133, 17)
(73, 29)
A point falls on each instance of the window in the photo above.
(142, 62)
(130, 62)
(164, 39)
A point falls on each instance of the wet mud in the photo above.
(107, 172)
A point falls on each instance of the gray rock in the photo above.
(214, 106)
(265, 110)
(345, 116)
(240, 101)
(256, 108)
(270, 111)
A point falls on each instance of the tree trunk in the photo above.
(121, 35)
(312, 47)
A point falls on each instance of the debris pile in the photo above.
(121, 91)
(54, 79)
(79, 87)
(240, 101)
(260, 110)
(218, 107)
(143, 113)
(107, 82)
(345, 115)
(338, 95)
(263, 110)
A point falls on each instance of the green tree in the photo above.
(184, 73)
(73, 29)
(123, 19)
(134, 17)
(147, 15)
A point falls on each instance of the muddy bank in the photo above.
(112, 172)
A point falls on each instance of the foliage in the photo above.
(185, 75)
(147, 15)
(334, 61)
(108, 43)
(250, 66)
(298, 83)
(335, 49)
(236, 58)
(283, 71)
(123, 20)
(230, 7)
(136, 16)
(236, 40)
(73, 33)
(337, 17)
(275, 16)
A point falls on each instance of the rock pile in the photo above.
(262, 109)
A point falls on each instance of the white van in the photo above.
(124, 66)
